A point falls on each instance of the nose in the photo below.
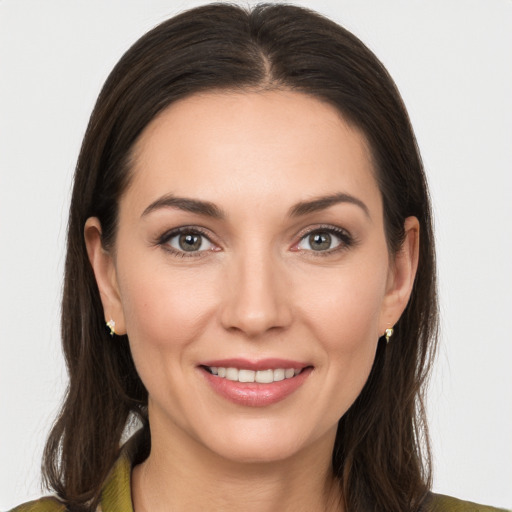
(256, 299)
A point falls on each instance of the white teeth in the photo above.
(279, 374)
(260, 376)
(231, 374)
(264, 376)
(246, 375)
(289, 373)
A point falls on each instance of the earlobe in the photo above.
(401, 275)
(105, 273)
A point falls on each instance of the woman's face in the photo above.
(251, 245)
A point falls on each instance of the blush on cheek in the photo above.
(346, 321)
(166, 312)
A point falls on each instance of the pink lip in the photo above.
(262, 364)
(253, 394)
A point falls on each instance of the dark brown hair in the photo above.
(381, 454)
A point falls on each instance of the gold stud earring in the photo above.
(112, 326)
(388, 334)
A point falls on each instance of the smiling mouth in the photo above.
(259, 376)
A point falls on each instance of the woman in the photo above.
(250, 274)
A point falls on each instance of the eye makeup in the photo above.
(195, 241)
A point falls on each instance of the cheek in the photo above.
(343, 312)
(164, 308)
(344, 308)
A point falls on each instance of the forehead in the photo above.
(272, 145)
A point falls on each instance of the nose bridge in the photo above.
(255, 302)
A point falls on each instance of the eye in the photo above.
(324, 240)
(187, 241)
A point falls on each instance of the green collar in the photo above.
(116, 495)
(116, 492)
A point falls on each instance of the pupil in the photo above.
(320, 241)
(190, 242)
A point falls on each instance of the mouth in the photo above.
(267, 376)
(255, 384)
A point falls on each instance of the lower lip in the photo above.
(253, 394)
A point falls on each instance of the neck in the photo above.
(303, 482)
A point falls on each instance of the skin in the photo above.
(255, 289)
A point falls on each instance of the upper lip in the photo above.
(262, 364)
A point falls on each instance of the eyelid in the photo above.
(163, 240)
(346, 239)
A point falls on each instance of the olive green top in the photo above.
(116, 493)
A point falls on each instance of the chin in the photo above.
(265, 442)
(260, 452)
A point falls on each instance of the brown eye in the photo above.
(320, 241)
(324, 240)
(189, 241)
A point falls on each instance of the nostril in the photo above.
(256, 302)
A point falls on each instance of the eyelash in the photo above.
(163, 241)
(346, 241)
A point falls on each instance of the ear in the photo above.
(104, 269)
(401, 276)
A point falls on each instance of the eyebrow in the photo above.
(188, 205)
(324, 202)
(209, 209)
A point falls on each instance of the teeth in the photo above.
(279, 374)
(264, 376)
(231, 374)
(246, 375)
(260, 376)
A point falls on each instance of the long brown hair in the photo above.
(381, 454)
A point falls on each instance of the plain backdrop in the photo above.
(452, 61)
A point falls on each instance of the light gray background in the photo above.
(452, 61)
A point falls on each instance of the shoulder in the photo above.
(41, 505)
(116, 490)
(442, 503)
